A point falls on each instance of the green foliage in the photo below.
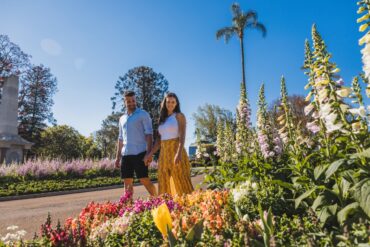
(62, 142)
(142, 229)
(23, 187)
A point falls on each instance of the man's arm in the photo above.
(149, 143)
(119, 145)
(118, 154)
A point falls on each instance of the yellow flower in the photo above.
(363, 18)
(336, 70)
(363, 27)
(361, 9)
(368, 92)
(162, 218)
(308, 98)
(364, 39)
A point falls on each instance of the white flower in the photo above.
(237, 194)
(323, 95)
(325, 110)
(331, 117)
(12, 228)
(308, 109)
(315, 115)
(331, 127)
(343, 92)
(366, 59)
(361, 111)
(254, 186)
(21, 233)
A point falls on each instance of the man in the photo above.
(134, 141)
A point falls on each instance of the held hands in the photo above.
(148, 158)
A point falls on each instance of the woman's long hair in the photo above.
(163, 115)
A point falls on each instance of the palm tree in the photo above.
(241, 22)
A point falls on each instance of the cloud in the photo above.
(79, 63)
(51, 47)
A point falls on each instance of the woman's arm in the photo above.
(181, 120)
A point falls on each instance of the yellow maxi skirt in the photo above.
(173, 179)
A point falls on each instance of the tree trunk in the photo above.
(241, 38)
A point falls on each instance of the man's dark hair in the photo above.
(129, 93)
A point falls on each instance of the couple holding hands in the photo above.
(135, 147)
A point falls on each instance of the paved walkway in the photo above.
(29, 214)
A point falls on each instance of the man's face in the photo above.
(130, 102)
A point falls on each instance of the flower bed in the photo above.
(41, 176)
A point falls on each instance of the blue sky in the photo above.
(88, 44)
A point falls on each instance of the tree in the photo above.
(90, 148)
(207, 118)
(149, 86)
(107, 136)
(241, 22)
(61, 141)
(37, 88)
(297, 103)
(12, 60)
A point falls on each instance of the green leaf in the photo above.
(283, 184)
(195, 232)
(334, 167)
(270, 222)
(326, 212)
(362, 194)
(363, 154)
(319, 171)
(171, 238)
(303, 196)
(238, 212)
(345, 186)
(349, 209)
(319, 201)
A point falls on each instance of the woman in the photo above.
(173, 162)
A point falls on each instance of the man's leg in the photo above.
(127, 174)
(149, 186)
(128, 184)
(142, 173)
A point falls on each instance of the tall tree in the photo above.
(37, 88)
(241, 21)
(149, 86)
(207, 118)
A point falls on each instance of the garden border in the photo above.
(63, 192)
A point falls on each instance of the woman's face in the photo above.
(171, 104)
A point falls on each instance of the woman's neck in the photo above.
(170, 113)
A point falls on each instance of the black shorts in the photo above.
(134, 163)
